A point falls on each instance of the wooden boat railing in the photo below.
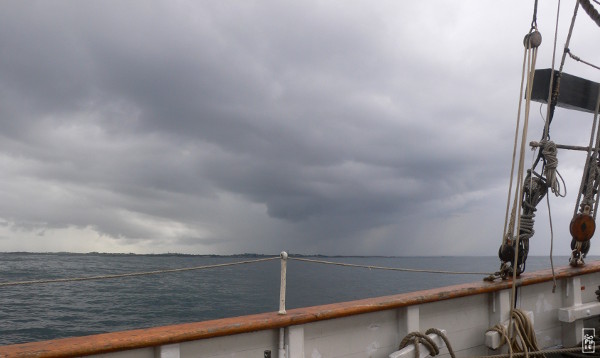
(159, 336)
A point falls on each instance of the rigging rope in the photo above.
(534, 20)
(554, 186)
(551, 245)
(549, 151)
(597, 175)
(564, 56)
(417, 338)
(371, 267)
(592, 153)
(531, 59)
(133, 274)
(509, 225)
(549, 109)
(523, 330)
(156, 272)
(590, 10)
(577, 58)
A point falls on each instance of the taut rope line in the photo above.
(547, 136)
(371, 267)
(133, 274)
(577, 58)
(507, 234)
(551, 85)
(157, 272)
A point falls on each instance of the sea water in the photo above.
(56, 310)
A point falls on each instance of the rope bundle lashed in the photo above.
(523, 335)
(549, 152)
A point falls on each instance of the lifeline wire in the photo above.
(133, 274)
(157, 272)
(370, 267)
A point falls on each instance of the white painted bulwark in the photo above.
(573, 313)
(374, 328)
(571, 330)
(167, 351)
(295, 342)
(408, 319)
(367, 335)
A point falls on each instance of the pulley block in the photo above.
(582, 227)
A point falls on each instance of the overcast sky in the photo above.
(333, 127)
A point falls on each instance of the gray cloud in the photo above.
(228, 127)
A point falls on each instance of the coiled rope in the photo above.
(133, 274)
(549, 151)
(523, 343)
(523, 329)
(534, 353)
(417, 337)
(371, 267)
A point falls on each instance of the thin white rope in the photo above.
(372, 267)
(531, 59)
(568, 41)
(550, 87)
(133, 274)
(510, 227)
(546, 135)
(551, 245)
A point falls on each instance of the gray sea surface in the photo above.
(56, 310)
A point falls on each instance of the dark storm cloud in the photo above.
(234, 124)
